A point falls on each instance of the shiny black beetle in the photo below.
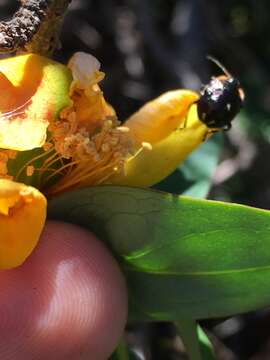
(220, 100)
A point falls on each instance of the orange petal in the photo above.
(34, 89)
(22, 217)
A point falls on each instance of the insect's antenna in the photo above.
(215, 61)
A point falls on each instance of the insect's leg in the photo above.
(209, 132)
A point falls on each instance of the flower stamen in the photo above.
(88, 137)
(30, 162)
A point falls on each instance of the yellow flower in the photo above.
(58, 133)
(62, 134)
(140, 152)
(22, 217)
(164, 132)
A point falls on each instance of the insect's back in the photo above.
(220, 102)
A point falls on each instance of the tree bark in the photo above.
(34, 27)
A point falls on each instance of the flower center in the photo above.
(91, 150)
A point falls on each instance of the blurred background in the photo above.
(147, 47)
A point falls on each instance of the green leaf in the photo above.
(205, 344)
(182, 257)
(122, 352)
(114, 356)
(193, 176)
(196, 342)
(188, 332)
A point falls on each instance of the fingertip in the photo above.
(69, 298)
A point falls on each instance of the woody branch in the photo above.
(34, 27)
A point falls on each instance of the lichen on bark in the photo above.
(34, 27)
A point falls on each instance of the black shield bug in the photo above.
(220, 100)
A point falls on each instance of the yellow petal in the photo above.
(33, 90)
(22, 217)
(165, 149)
(160, 117)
